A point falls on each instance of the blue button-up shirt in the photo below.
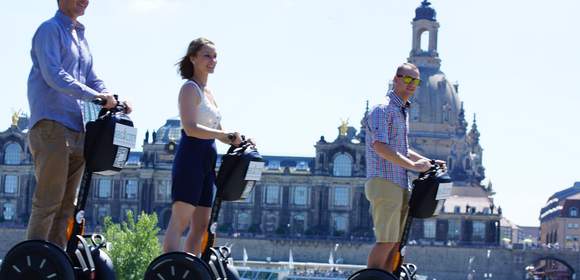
(62, 74)
(388, 124)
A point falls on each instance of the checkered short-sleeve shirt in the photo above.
(388, 124)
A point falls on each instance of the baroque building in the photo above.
(319, 197)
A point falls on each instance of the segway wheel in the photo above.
(372, 274)
(36, 259)
(103, 265)
(232, 272)
(178, 265)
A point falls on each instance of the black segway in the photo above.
(240, 169)
(430, 190)
(107, 144)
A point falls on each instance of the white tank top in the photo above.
(207, 113)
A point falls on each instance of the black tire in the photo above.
(103, 265)
(372, 274)
(232, 272)
(178, 265)
(36, 259)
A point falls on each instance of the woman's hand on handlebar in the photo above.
(232, 138)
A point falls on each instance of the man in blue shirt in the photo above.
(61, 83)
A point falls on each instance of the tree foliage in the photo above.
(134, 244)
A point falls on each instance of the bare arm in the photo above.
(397, 158)
(414, 156)
(189, 99)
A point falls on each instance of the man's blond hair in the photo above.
(406, 66)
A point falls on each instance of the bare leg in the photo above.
(181, 214)
(380, 256)
(197, 228)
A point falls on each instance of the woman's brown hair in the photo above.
(185, 65)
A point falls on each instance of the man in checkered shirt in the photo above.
(388, 159)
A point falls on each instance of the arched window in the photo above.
(573, 212)
(342, 165)
(424, 44)
(12, 154)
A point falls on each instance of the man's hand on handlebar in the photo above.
(422, 165)
(441, 163)
(110, 101)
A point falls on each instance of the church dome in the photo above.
(425, 12)
(170, 131)
(435, 105)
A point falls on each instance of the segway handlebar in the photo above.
(120, 107)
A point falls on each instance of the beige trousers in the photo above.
(58, 166)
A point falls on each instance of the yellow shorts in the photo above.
(389, 206)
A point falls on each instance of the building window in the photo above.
(243, 221)
(10, 184)
(415, 112)
(163, 193)
(131, 189)
(12, 154)
(174, 134)
(478, 231)
(457, 209)
(342, 165)
(341, 197)
(270, 222)
(340, 223)
(573, 212)
(273, 165)
(104, 190)
(302, 166)
(429, 229)
(298, 223)
(102, 212)
(9, 211)
(300, 196)
(272, 195)
(453, 229)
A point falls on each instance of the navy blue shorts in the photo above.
(193, 175)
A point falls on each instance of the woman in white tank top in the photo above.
(193, 173)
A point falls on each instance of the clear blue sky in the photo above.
(290, 70)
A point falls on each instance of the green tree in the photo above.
(133, 244)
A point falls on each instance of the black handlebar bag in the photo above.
(108, 141)
(241, 167)
(429, 193)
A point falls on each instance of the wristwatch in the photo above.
(231, 137)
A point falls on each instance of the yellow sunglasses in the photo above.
(408, 79)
